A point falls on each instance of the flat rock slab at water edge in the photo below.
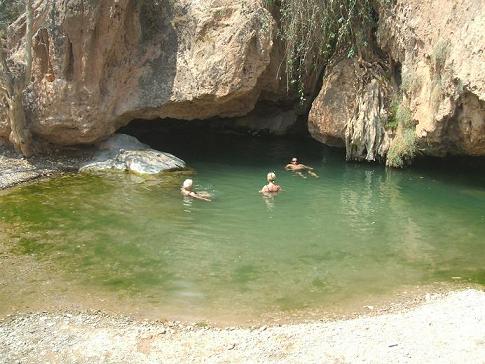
(125, 153)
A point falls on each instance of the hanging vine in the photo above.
(314, 31)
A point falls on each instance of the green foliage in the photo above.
(399, 115)
(315, 30)
(404, 117)
(9, 12)
(392, 121)
(403, 147)
(440, 53)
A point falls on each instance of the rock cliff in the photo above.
(437, 54)
(100, 64)
(441, 48)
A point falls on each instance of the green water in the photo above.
(357, 231)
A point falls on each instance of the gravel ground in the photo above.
(14, 169)
(448, 328)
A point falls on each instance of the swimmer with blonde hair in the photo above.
(186, 190)
(271, 187)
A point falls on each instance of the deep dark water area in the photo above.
(187, 139)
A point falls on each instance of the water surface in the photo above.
(356, 232)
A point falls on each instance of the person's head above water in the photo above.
(187, 185)
(294, 160)
(271, 177)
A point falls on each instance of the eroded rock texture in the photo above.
(350, 110)
(437, 49)
(441, 47)
(334, 105)
(100, 64)
(125, 153)
(4, 124)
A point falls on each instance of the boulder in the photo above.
(333, 108)
(350, 110)
(125, 153)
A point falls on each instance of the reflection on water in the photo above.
(358, 230)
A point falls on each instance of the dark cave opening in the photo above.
(266, 121)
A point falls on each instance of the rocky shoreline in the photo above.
(118, 153)
(14, 169)
(446, 328)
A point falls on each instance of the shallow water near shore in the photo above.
(356, 232)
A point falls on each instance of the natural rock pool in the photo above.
(358, 232)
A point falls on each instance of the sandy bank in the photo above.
(447, 328)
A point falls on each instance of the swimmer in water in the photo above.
(186, 190)
(299, 168)
(271, 188)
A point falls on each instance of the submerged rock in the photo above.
(125, 153)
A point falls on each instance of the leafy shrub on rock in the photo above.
(403, 148)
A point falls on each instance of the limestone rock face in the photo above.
(125, 153)
(349, 110)
(440, 47)
(334, 105)
(4, 125)
(437, 49)
(100, 64)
